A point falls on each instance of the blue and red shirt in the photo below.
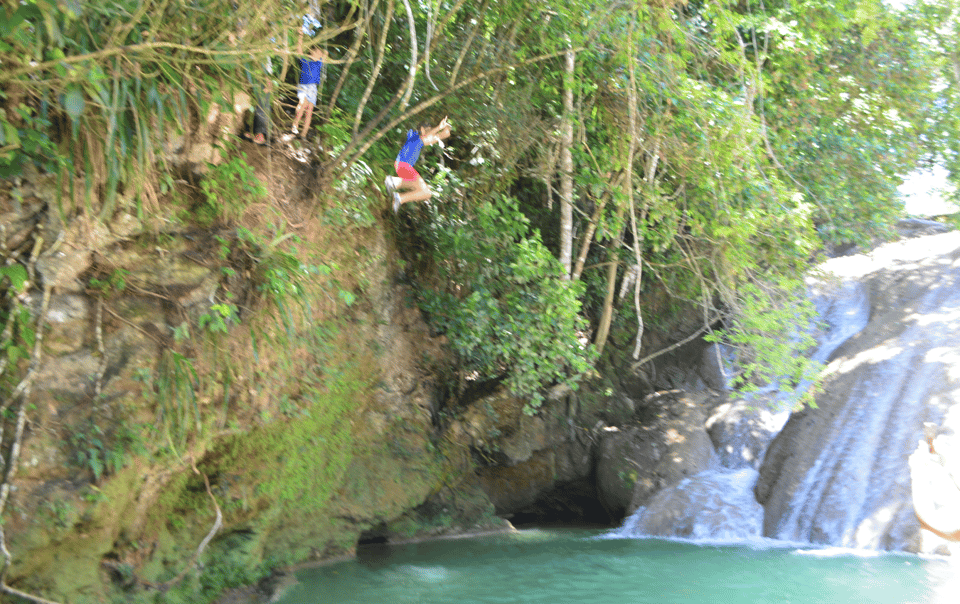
(410, 152)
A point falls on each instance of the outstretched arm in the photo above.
(438, 133)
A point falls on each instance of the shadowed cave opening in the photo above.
(574, 503)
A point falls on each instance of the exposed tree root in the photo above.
(20, 394)
(191, 564)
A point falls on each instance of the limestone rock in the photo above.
(717, 505)
(167, 268)
(743, 429)
(69, 317)
(634, 462)
(61, 269)
(125, 225)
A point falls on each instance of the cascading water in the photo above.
(901, 372)
(719, 504)
(856, 492)
(716, 505)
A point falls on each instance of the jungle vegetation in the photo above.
(611, 162)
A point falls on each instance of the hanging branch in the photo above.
(355, 50)
(566, 162)
(412, 76)
(615, 181)
(203, 544)
(675, 345)
(192, 563)
(361, 143)
(19, 398)
(431, 23)
(381, 48)
(637, 246)
(466, 46)
(606, 318)
(102, 366)
(506, 42)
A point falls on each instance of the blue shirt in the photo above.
(410, 152)
(310, 71)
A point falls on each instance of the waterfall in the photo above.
(838, 474)
(719, 504)
(715, 505)
(902, 372)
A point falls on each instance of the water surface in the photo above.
(591, 567)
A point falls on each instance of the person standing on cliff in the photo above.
(311, 71)
(407, 178)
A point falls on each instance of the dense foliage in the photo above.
(701, 152)
(503, 301)
(716, 143)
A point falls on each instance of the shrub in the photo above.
(502, 301)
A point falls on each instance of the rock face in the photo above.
(839, 474)
(636, 460)
(711, 505)
(164, 364)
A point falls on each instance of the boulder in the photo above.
(742, 429)
(636, 461)
(713, 504)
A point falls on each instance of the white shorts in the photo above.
(307, 92)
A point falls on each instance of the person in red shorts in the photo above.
(407, 178)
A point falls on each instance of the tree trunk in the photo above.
(637, 242)
(606, 318)
(592, 229)
(566, 167)
(381, 46)
(352, 53)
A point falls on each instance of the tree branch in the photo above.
(20, 396)
(412, 76)
(355, 149)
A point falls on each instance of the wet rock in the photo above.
(742, 429)
(713, 504)
(634, 462)
(839, 474)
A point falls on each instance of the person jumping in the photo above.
(408, 179)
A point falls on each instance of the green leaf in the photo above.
(27, 11)
(17, 275)
(73, 102)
